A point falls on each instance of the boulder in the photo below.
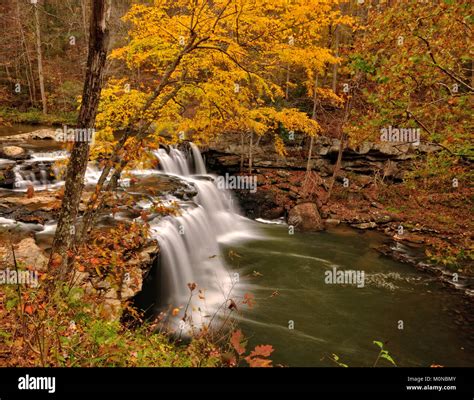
(13, 153)
(305, 217)
(27, 253)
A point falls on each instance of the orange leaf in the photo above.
(258, 362)
(262, 351)
(236, 340)
(95, 261)
(28, 309)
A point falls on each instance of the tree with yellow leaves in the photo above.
(203, 68)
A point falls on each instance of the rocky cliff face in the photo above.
(389, 158)
(283, 183)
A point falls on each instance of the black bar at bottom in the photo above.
(432, 383)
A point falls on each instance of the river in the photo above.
(345, 319)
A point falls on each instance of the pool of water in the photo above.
(417, 318)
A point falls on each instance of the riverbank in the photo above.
(33, 116)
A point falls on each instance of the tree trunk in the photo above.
(29, 70)
(39, 56)
(311, 142)
(336, 52)
(313, 117)
(250, 152)
(84, 20)
(98, 43)
(343, 138)
(337, 167)
(242, 136)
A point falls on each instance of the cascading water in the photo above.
(173, 163)
(189, 243)
(41, 172)
(198, 161)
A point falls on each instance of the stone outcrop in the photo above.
(305, 217)
(115, 296)
(390, 159)
(282, 182)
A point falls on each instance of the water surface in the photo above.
(344, 319)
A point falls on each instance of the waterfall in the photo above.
(189, 243)
(198, 161)
(173, 163)
(37, 171)
(190, 251)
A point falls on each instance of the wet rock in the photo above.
(332, 221)
(365, 225)
(410, 238)
(305, 217)
(261, 204)
(154, 185)
(40, 208)
(274, 213)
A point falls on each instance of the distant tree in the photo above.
(39, 57)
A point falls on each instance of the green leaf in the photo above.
(388, 357)
(10, 304)
(380, 344)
